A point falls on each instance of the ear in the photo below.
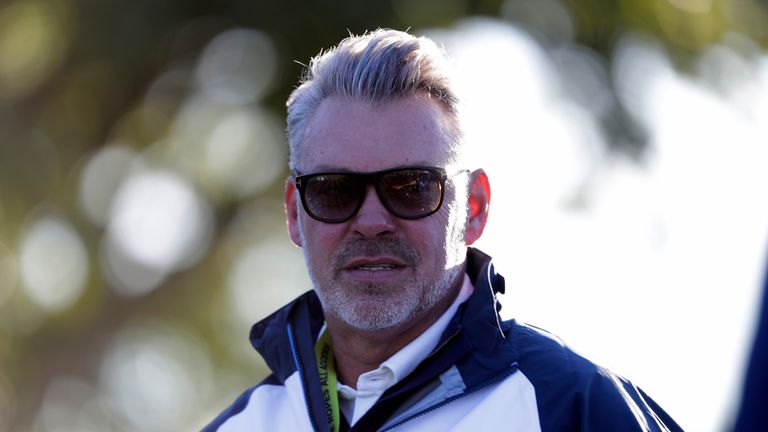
(479, 201)
(292, 210)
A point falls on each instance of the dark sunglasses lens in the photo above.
(333, 197)
(411, 193)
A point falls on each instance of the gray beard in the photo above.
(379, 306)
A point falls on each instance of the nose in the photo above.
(373, 219)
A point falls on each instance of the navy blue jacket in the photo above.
(753, 415)
(484, 373)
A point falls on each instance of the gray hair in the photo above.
(376, 67)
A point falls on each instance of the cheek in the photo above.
(433, 239)
(319, 239)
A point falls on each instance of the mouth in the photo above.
(374, 264)
(373, 267)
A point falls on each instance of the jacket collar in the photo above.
(477, 321)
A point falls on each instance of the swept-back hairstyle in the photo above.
(376, 67)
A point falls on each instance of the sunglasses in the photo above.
(408, 193)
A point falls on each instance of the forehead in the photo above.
(359, 136)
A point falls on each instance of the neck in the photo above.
(359, 351)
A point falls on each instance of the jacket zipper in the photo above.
(495, 379)
(302, 377)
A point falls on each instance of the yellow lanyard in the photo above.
(324, 355)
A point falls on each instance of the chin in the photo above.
(376, 313)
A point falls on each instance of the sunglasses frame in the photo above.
(372, 178)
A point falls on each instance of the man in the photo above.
(402, 331)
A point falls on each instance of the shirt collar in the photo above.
(405, 361)
(354, 403)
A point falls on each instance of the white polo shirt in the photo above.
(354, 403)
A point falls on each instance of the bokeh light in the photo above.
(265, 277)
(690, 23)
(243, 153)
(637, 60)
(620, 242)
(33, 39)
(693, 6)
(747, 15)
(237, 67)
(231, 152)
(72, 404)
(220, 137)
(523, 119)
(164, 98)
(125, 275)
(101, 179)
(53, 263)
(158, 222)
(583, 78)
(156, 376)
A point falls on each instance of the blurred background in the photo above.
(142, 161)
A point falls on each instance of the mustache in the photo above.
(356, 248)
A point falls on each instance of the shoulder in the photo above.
(572, 390)
(545, 356)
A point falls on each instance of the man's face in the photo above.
(377, 271)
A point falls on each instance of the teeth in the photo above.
(376, 267)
